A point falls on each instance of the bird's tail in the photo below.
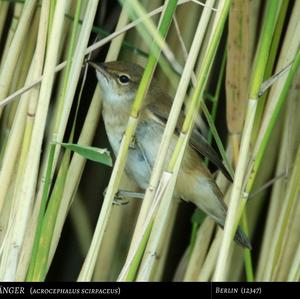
(210, 200)
(242, 239)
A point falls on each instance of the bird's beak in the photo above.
(95, 65)
(100, 69)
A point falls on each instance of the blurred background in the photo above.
(192, 243)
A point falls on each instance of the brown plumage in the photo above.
(119, 82)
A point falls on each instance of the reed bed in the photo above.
(235, 66)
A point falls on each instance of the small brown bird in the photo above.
(119, 82)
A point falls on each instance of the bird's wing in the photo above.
(197, 141)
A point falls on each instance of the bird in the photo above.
(119, 81)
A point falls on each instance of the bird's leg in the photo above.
(132, 142)
(122, 196)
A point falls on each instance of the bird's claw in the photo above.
(121, 197)
(120, 200)
(132, 143)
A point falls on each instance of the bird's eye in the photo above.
(123, 79)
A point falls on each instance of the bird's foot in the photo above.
(122, 196)
(120, 201)
(132, 143)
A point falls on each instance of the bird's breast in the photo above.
(115, 122)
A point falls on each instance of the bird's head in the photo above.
(118, 80)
